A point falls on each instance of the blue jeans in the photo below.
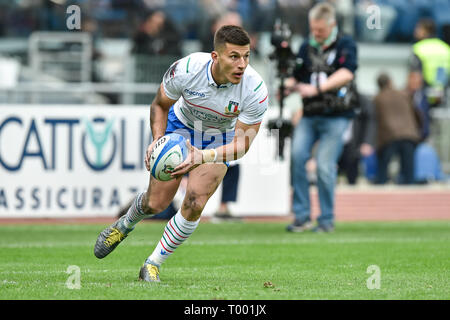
(329, 132)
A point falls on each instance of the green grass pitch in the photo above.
(232, 261)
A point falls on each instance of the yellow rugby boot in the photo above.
(149, 273)
(109, 239)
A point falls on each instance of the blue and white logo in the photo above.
(194, 93)
(100, 134)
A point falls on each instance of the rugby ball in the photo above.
(169, 152)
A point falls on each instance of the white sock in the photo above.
(177, 230)
(135, 213)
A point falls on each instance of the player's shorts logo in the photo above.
(232, 108)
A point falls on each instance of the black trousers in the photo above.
(405, 150)
(230, 184)
(349, 163)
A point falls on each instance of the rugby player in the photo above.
(217, 101)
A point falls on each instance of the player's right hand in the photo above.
(193, 160)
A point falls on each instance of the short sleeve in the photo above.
(414, 63)
(172, 81)
(255, 105)
(348, 55)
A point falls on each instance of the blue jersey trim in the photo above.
(207, 68)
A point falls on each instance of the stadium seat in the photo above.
(369, 165)
(441, 16)
(407, 17)
(427, 164)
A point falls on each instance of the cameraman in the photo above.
(324, 75)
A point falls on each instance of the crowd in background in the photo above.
(191, 18)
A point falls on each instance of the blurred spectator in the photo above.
(323, 77)
(359, 140)
(430, 63)
(156, 45)
(157, 36)
(420, 103)
(397, 131)
(227, 18)
(246, 9)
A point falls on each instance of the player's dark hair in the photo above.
(231, 34)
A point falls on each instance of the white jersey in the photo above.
(201, 101)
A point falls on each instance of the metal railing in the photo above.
(65, 55)
(82, 93)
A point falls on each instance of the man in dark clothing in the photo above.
(360, 141)
(323, 77)
(397, 131)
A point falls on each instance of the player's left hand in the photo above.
(193, 160)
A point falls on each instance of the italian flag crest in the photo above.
(232, 108)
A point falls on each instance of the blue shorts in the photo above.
(200, 140)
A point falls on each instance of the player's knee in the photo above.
(194, 203)
(153, 206)
(300, 158)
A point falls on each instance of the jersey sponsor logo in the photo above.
(208, 117)
(204, 116)
(232, 108)
(194, 93)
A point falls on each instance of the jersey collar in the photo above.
(210, 78)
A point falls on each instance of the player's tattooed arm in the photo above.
(159, 111)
